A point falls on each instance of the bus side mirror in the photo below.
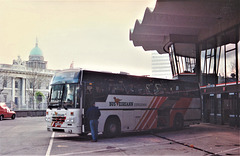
(48, 98)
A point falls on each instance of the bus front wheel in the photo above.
(112, 128)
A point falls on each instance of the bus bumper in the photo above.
(70, 130)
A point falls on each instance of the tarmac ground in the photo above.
(28, 136)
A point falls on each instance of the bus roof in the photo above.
(72, 75)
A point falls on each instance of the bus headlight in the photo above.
(48, 119)
(70, 120)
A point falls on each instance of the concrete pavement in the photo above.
(28, 136)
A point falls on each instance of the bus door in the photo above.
(87, 100)
(165, 111)
(163, 118)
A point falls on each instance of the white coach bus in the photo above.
(127, 103)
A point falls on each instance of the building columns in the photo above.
(13, 93)
(23, 91)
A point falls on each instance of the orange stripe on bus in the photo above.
(181, 103)
(153, 121)
(144, 122)
(152, 117)
(143, 116)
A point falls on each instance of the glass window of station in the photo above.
(220, 59)
(182, 65)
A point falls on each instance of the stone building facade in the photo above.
(22, 81)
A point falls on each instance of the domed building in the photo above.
(20, 81)
(36, 59)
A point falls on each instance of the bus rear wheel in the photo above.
(112, 128)
(178, 122)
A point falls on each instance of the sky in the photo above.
(93, 34)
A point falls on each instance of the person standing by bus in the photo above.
(93, 114)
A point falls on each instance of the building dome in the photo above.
(36, 59)
(36, 51)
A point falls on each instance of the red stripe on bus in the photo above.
(148, 112)
(152, 122)
(181, 103)
(143, 116)
(152, 114)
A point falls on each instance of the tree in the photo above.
(39, 97)
(34, 82)
(3, 81)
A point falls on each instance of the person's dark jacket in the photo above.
(93, 113)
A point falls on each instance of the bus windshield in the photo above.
(64, 95)
(66, 77)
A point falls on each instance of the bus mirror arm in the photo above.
(65, 107)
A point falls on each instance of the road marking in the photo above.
(181, 143)
(126, 147)
(227, 150)
(62, 146)
(120, 148)
(194, 138)
(50, 145)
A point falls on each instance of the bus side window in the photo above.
(100, 94)
(157, 89)
(112, 90)
(150, 89)
(116, 87)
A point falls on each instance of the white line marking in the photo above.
(50, 144)
(193, 138)
(228, 150)
(124, 147)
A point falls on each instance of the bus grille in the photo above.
(59, 118)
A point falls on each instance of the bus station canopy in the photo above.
(184, 23)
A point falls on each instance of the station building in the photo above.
(202, 40)
(22, 81)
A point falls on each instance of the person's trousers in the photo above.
(94, 129)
